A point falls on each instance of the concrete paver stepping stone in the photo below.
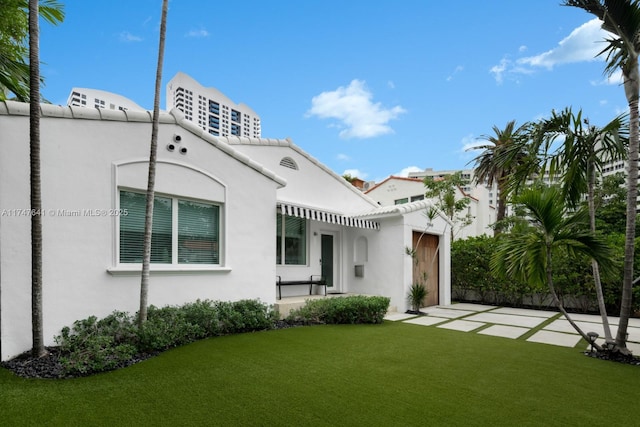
(426, 320)
(398, 316)
(469, 307)
(525, 312)
(563, 325)
(461, 325)
(634, 347)
(445, 312)
(555, 338)
(591, 318)
(507, 319)
(504, 331)
(634, 334)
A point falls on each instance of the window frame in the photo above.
(126, 268)
(281, 258)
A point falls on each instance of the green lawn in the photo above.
(373, 375)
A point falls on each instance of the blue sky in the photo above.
(369, 88)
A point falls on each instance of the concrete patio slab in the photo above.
(426, 320)
(555, 338)
(525, 312)
(591, 318)
(469, 307)
(394, 317)
(634, 347)
(634, 334)
(507, 319)
(563, 325)
(461, 325)
(445, 312)
(504, 331)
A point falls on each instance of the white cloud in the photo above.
(579, 46)
(457, 70)
(343, 157)
(405, 172)
(470, 143)
(582, 45)
(614, 79)
(127, 37)
(355, 173)
(522, 48)
(499, 70)
(201, 33)
(357, 115)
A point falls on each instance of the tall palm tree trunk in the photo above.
(557, 301)
(151, 179)
(594, 264)
(631, 88)
(38, 349)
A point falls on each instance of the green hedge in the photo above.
(472, 279)
(350, 309)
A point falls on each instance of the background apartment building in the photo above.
(210, 109)
(83, 97)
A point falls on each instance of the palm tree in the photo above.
(621, 18)
(14, 31)
(151, 181)
(38, 349)
(527, 254)
(578, 161)
(501, 156)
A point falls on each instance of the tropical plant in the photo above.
(621, 18)
(527, 255)
(14, 47)
(151, 181)
(444, 192)
(577, 161)
(501, 156)
(416, 295)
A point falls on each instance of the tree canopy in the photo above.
(14, 39)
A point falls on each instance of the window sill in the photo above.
(136, 269)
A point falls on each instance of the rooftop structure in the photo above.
(83, 97)
(210, 109)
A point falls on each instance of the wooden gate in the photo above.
(425, 264)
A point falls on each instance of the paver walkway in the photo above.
(547, 327)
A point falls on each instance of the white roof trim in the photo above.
(14, 108)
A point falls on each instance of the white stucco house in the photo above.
(231, 214)
(396, 190)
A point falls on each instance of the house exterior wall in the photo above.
(83, 164)
(312, 184)
(387, 192)
(397, 188)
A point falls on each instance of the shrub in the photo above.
(93, 345)
(351, 310)
(416, 295)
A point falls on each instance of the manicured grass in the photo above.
(373, 375)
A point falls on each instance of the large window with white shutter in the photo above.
(184, 231)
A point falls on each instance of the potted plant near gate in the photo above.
(417, 293)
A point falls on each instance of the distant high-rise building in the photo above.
(210, 109)
(82, 97)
